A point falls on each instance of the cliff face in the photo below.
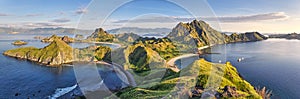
(56, 53)
(201, 34)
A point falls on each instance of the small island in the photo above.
(19, 43)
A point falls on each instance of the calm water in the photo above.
(36, 81)
(274, 63)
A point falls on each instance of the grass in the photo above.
(200, 73)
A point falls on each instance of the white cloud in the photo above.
(244, 18)
(42, 25)
(256, 17)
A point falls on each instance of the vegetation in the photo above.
(266, 94)
(56, 53)
(163, 46)
(200, 74)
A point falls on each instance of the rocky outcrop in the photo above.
(56, 53)
(230, 91)
(18, 43)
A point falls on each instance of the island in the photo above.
(147, 60)
(286, 36)
(19, 43)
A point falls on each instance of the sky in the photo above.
(266, 16)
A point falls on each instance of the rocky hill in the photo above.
(56, 53)
(196, 33)
(199, 33)
(101, 36)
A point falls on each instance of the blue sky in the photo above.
(267, 16)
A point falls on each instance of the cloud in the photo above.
(42, 25)
(246, 18)
(33, 15)
(62, 20)
(81, 11)
(257, 17)
(3, 14)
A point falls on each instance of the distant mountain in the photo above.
(138, 30)
(199, 33)
(245, 37)
(286, 36)
(42, 30)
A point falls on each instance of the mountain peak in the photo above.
(101, 35)
(100, 30)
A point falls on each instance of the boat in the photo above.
(240, 59)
